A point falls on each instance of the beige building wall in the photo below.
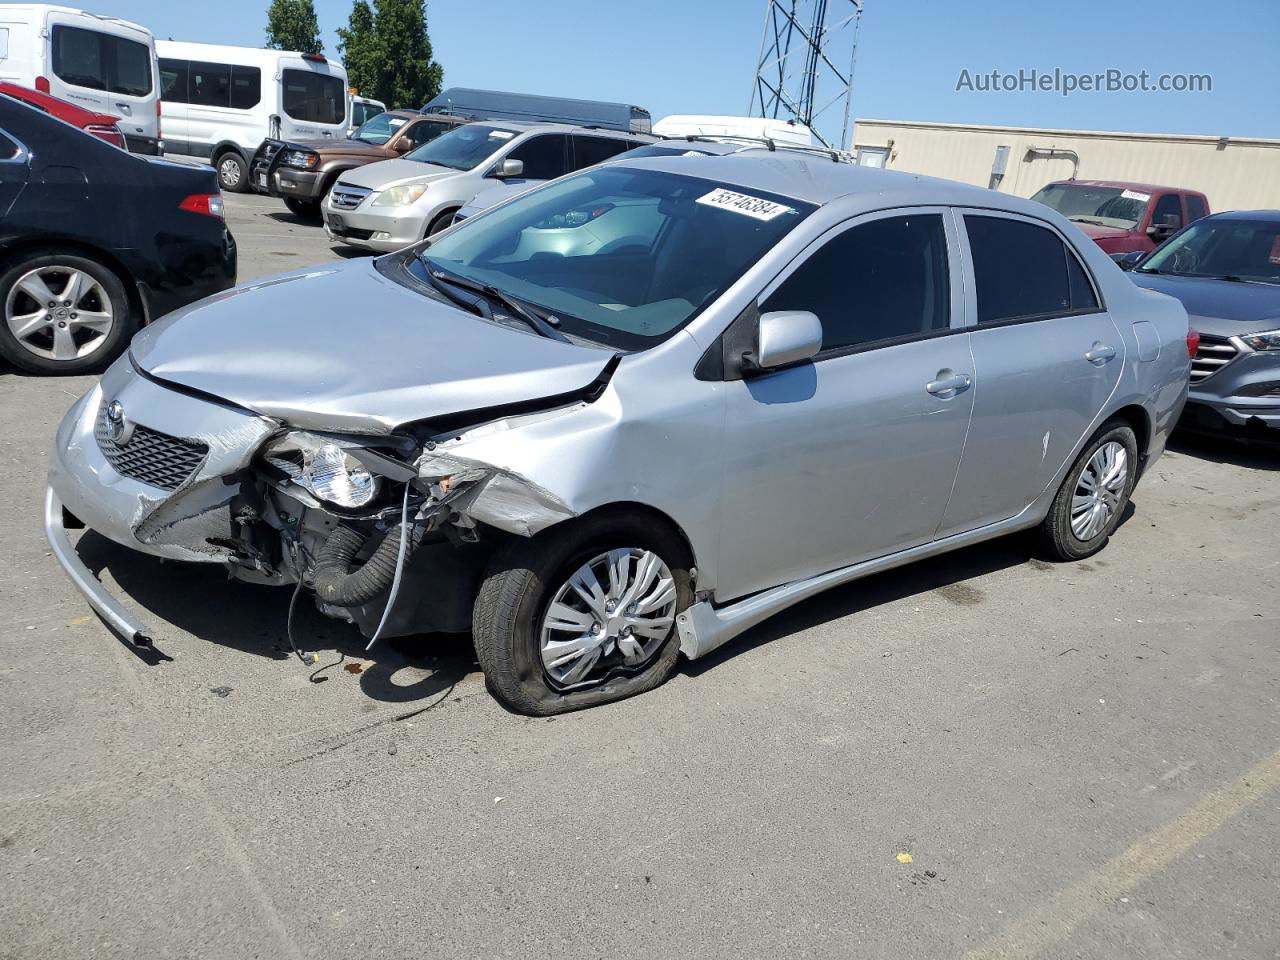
(1234, 173)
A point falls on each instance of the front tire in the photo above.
(1092, 499)
(582, 614)
(303, 209)
(442, 222)
(63, 314)
(233, 172)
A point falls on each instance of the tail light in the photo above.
(42, 84)
(315, 57)
(206, 204)
(1193, 342)
(108, 132)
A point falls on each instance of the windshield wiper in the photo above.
(435, 283)
(1096, 223)
(517, 309)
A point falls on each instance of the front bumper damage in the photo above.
(235, 509)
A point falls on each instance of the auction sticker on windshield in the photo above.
(1135, 195)
(743, 203)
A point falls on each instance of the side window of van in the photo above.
(173, 81)
(209, 84)
(101, 61)
(246, 87)
(314, 97)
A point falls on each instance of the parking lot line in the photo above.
(1055, 920)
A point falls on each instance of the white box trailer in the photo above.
(100, 63)
(220, 102)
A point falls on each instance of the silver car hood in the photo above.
(391, 173)
(347, 349)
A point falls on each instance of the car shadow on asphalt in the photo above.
(947, 575)
(1240, 452)
(201, 601)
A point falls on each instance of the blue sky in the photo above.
(698, 56)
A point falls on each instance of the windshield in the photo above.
(380, 129)
(464, 148)
(619, 256)
(1103, 206)
(1244, 249)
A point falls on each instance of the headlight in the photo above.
(400, 196)
(303, 159)
(1269, 340)
(324, 469)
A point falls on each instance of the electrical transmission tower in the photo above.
(807, 55)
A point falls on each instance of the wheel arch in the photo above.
(227, 146)
(632, 509)
(1137, 417)
(37, 246)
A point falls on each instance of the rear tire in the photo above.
(1092, 499)
(61, 303)
(510, 622)
(233, 172)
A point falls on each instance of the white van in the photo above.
(759, 128)
(362, 109)
(219, 103)
(99, 63)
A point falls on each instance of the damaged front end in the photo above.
(392, 532)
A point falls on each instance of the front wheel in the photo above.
(303, 209)
(1092, 499)
(582, 614)
(233, 173)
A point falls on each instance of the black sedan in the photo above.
(95, 242)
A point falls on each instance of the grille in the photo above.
(150, 456)
(346, 196)
(1213, 354)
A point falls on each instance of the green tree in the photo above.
(357, 45)
(292, 25)
(407, 76)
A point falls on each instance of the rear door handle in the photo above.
(1100, 353)
(125, 109)
(948, 384)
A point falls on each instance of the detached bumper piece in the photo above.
(132, 631)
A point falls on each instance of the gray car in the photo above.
(774, 374)
(1226, 271)
(393, 203)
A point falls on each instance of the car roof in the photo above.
(816, 178)
(1125, 185)
(1266, 216)
(526, 126)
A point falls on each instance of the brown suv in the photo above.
(303, 171)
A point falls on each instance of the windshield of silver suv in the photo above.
(1223, 250)
(618, 256)
(1102, 206)
(464, 148)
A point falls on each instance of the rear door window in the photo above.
(1023, 271)
(545, 157)
(101, 61)
(886, 280)
(588, 151)
(314, 97)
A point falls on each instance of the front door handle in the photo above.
(948, 384)
(1100, 353)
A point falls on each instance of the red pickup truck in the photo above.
(1124, 217)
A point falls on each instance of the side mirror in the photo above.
(509, 168)
(1127, 261)
(784, 337)
(1167, 224)
(402, 145)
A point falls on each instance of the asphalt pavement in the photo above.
(982, 755)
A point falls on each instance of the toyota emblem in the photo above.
(119, 429)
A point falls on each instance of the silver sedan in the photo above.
(627, 415)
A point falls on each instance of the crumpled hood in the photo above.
(1220, 307)
(392, 173)
(347, 349)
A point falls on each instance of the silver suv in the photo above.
(388, 205)
(751, 378)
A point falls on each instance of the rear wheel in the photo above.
(233, 172)
(63, 313)
(582, 614)
(1092, 499)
